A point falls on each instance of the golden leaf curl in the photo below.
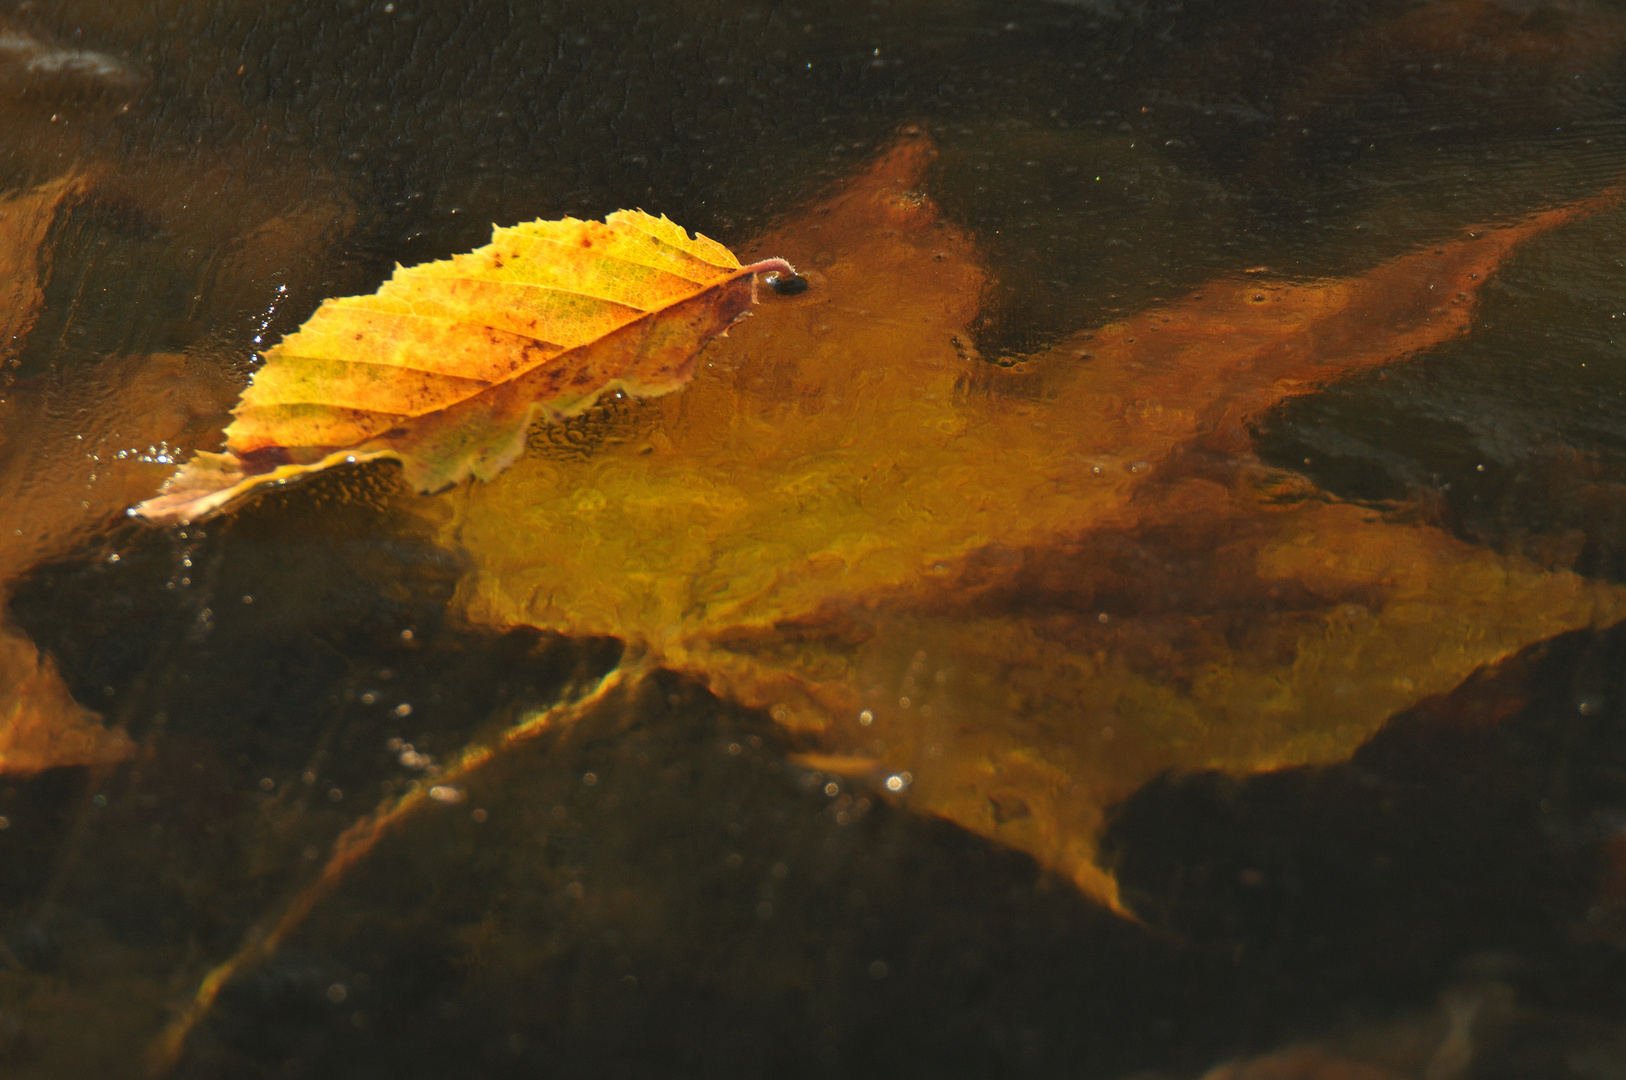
(447, 364)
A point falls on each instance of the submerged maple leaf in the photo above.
(41, 726)
(84, 438)
(1018, 595)
(445, 367)
(25, 218)
(1010, 596)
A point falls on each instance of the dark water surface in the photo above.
(1449, 903)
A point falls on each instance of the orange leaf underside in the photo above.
(447, 365)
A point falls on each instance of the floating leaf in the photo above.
(447, 365)
(1017, 595)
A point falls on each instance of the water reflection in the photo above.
(1444, 903)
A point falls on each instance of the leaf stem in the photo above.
(771, 266)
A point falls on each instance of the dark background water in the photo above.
(701, 912)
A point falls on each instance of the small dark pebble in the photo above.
(787, 285)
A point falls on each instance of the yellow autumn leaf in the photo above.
(1017, 595)
(447, 365)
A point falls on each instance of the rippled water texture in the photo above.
(1150, 609)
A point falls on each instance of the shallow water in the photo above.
(686, 880)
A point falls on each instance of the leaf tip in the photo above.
(210, 484)
(195, 490)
